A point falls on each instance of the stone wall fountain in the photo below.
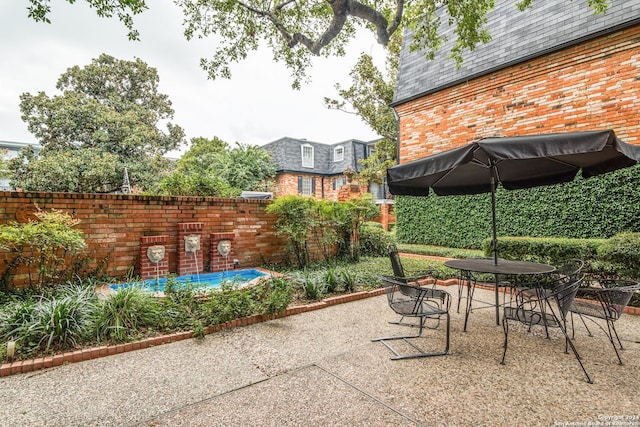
(189, 254)
(190, 258)
(222, 251)
(154, 261)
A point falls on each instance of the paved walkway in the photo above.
(321, 369)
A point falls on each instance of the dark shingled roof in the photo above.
(287, 155)
(516, 37)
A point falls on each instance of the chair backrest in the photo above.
(396, 265)
(615, 296)
(565, 292)
(413, 297)
(572, 268)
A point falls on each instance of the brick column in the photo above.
(148, 268)
(349, 191)
(189, 262)
(219, 262)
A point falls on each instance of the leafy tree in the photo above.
(201, 155)
(370, 96)
(73, 170)
(107, 118)
(248, 167)
(124, 9)
(4, 172)
(211, 168)
(296, 30)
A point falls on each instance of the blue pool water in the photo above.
(205, 280)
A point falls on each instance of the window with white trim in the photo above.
(339, 182)
(306, 185)
(338, 154)
(307, 156)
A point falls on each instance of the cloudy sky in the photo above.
(256, 106)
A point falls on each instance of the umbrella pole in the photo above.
(494, 242)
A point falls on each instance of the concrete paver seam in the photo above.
(215, 396)
(371, 396)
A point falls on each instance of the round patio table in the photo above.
(503, 266)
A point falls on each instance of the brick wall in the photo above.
(114, 225)
(287, 185)
(594, 85)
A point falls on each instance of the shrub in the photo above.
(310, 283)
(623, 252)
(60, 320)
(295, 221)
(331, 279)
(275, 295)
(598, 207)
(374, 241)
(228, 303)
(42, 246)
(349, 280)
(123, 312)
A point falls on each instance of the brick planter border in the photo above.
(73, 356)
(29, 365)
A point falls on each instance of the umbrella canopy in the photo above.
(515, 162)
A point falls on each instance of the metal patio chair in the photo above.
(571, 268)
(421, 303)
(548, 308)
(415, 277)
(420, 278)
(604, 300)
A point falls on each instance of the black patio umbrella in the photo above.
(515, 162)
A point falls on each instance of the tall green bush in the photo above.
(324, 224)
(374, 241)
(295, 220)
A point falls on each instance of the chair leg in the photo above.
(461, 285)
(612, 332)
(585, 325)
(505, 327)
(421, 352)
(576, 354)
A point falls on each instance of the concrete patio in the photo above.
(320, 368)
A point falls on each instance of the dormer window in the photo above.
(307, 156)
(338, 154)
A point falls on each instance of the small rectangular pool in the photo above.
(204, 280)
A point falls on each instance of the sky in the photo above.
(256, 106)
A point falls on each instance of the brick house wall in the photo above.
(593, 85)
(287, 185)
(114, 225)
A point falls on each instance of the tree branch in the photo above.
(342, 9)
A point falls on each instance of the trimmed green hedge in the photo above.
(544, 249)
(598, 207)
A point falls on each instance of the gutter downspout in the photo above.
(395, 115)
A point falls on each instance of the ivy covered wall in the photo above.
(585, 208)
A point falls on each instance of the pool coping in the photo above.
(104, 289)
